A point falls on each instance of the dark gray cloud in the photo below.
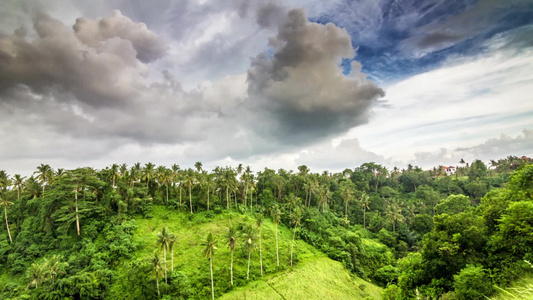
(100, 64)
(300, 86)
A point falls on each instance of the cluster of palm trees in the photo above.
(48, 270)
(249, 234)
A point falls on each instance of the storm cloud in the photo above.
(301, 87)
(100, 62)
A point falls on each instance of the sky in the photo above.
(278, 84)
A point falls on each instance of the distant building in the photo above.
(451, 170)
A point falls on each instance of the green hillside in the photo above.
(312, 274)
(321, 278)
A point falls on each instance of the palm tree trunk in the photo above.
(249, 257)
(166, 184)
(172, 260)
(157, 283)
(277, 250)
(346, 209)
(7, 224)
(77, 218)
(260, 252)
(292, 246)
(208, 197)
(212, 285)
(190, 197)
(165, 259)
(180, 198)
(227, 197)
(364, 217)
(231, 267)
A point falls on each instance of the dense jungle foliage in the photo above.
(147, 232)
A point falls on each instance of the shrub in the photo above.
(472, 283)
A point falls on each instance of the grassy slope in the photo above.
(522, 289)
(318, 279)
(312, 274)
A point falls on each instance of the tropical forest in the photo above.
(172, 232)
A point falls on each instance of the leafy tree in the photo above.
(472, 283)
(209, 252)
(453, 204)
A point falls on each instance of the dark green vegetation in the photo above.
(150, 232)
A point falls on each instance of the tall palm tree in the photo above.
(210, 245)
(259, 222)
(276, 216)
(394, 212)
(231, 237)
(190, 180)
(347, 189)
(4, 202)
(249, 235)
(172, 239)
(113, 174)
(44, 174)
(295, 218)
(17, 183)
(158, 265)
(148, 173)
(163, 238)
(167, 178)
(365, 202)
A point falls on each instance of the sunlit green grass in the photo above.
(522, 289)
(313, 274)
(314, 279)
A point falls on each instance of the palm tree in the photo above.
(148, 173)
(231, 237)
(158, 266)
(347, 189)
(4, 202)
(167, 178)
(295, 218)
(394, 212)
(259, 222)
(35, 274)
(249, 235)
(113, 173)
(17, 183)
(172, 239)
(54, 267)
(276, 216)
(163, 238)
(365, 201)
(190, 180)
(44, 174)
(198, 166)
(209, 252)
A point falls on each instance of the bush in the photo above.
(472, 283)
